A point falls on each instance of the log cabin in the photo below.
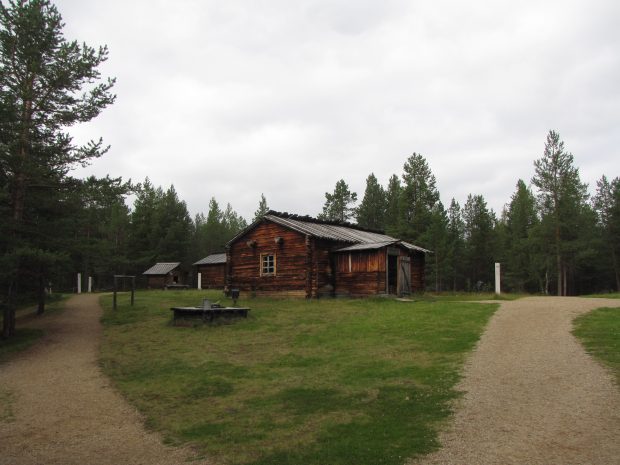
(212, 271)
(290, 255)
(164, 274)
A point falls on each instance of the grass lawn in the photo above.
(599, 332)
(330, 381)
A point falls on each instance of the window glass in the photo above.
(268, 264)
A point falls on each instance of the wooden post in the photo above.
(199, 280)
(79, 283)
(90, 284)
(498, 287)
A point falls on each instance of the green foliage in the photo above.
(479, 223)
(418, 198)
(392, 199)
(599, 332)
(456, 247)
(438, 263)
(160, 229)
(47, 84)
(561, 200)
(100, 225)
(213, 232)
(520, 274)
(371, 211)
(606, 203)
(338, 205)
(298, 381)
(263, 208)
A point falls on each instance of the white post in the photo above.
(498, 287)
(90, 284)
(79, 283)
(199, 280)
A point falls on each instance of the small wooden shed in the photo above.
(212, 271)
(301, 256)
(164, 274)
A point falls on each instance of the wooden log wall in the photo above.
(156, 282)
(360, 273)
(325, 267)
(213, 276)
(292, 257)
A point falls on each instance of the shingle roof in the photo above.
(213, 259)
(162, 268)
(332, 231)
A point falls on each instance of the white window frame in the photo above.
(265, 265)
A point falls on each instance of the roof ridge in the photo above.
(310, 219)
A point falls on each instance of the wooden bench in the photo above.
(176, 286)
(207, 314)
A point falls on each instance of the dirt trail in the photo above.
(60, 409)
(532, 394)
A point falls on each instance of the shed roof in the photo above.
(380, 245)
(366, 246)
(213, 259)
(332, 231)
(162, 268)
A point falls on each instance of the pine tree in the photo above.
(142, 234)
(418, 197)
(173, 228)
(438, 242)
(392, 199)
(606, 203)
(47, 84)
(456, 246)
(262, 208)
(479, 223)
(101, 225)
(520, 219)
(371, 211)
(561, 196)
(232, 222)
(338, 205)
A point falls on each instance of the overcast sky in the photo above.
(231, 99)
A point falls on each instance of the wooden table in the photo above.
(208, 314)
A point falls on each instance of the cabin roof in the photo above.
(162, 268)
(380, 245)
(341, 232)
(213, 259)
(330, 231)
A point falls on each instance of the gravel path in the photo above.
(532, 394)
(56, 407)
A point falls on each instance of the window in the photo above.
(267, 264)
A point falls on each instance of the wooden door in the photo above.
(404, 276)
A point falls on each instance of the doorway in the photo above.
(392, 274)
